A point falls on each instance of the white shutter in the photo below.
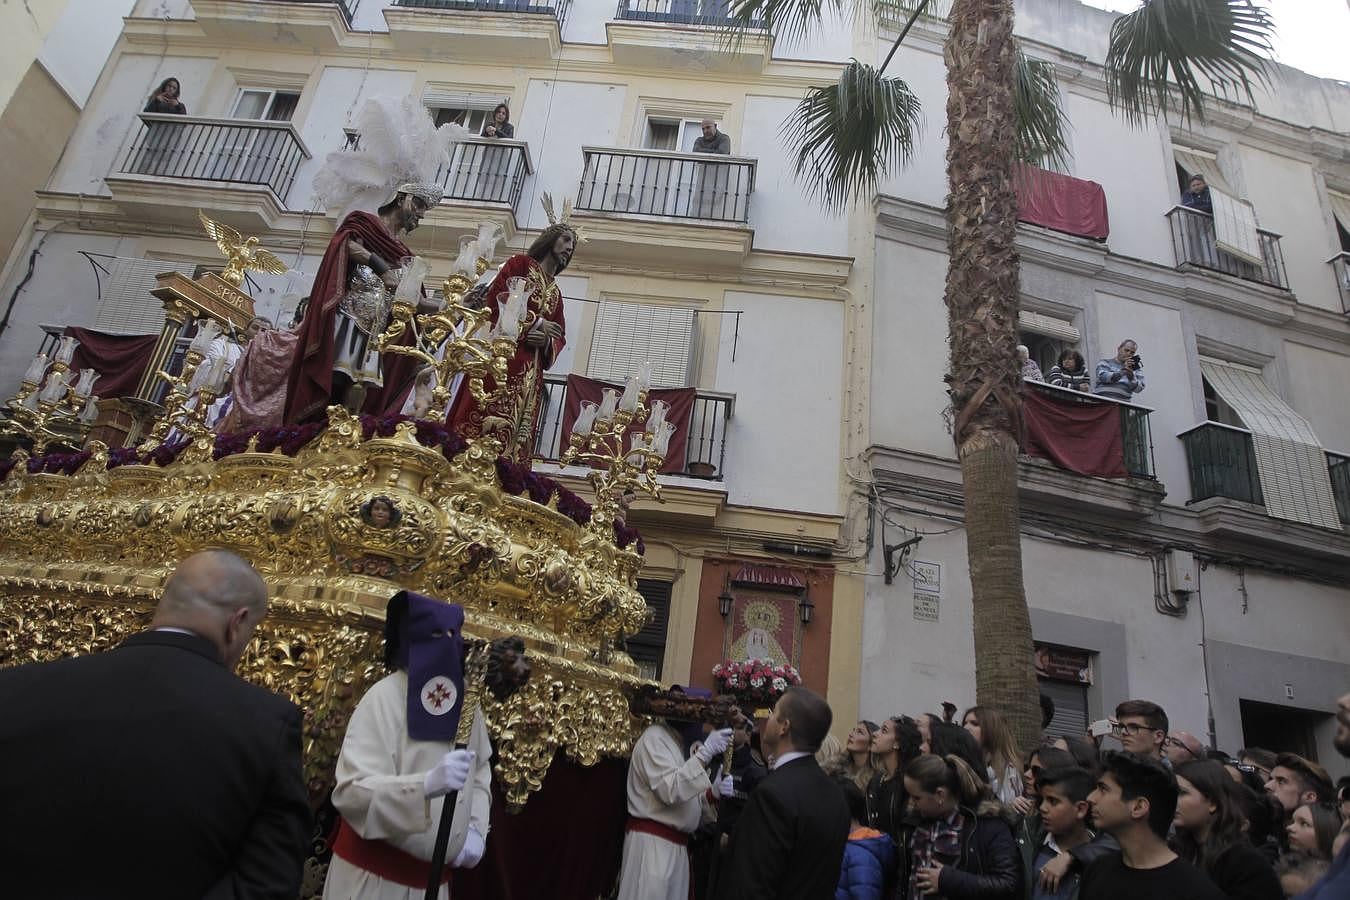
(1049, 326)
(628, 334)
(1071, 707)
(1235, 227)
(445, 95)
(1289, 458)
(1204, 164)
(125, 305)
(1340, 208)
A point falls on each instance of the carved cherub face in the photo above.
(380, 512)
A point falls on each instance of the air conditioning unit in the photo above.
(1181, 572)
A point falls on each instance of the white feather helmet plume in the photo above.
(399, 150)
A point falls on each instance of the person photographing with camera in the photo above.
(1122, 376)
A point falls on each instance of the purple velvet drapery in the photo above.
(119, 358)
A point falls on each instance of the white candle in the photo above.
(629, 402)
(67, 351)
(644, 375)
(36, 369)
(585, 418)
(489, 234)
(609, 402)
(658, 415)
(85, 385)
(468, 256)
(207, 331)
(89, 414)
(661, 439)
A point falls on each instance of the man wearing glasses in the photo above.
(1141, 727)
(1181, 747)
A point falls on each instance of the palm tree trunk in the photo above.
(982, 300)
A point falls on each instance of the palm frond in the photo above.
(1183, 45)
(1042, 127)
(850, 134)
(787, 19)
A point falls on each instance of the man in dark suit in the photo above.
(789, 840)
(152, 770)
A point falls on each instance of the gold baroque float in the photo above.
(336, 530)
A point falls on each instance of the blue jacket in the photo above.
(868, 859)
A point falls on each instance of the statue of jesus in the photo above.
(513, 416)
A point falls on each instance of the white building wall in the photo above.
(79, 44)
(1317, 381)
(783, 440)
(110, 122)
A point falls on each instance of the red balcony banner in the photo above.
(1061, 202)
(681, 402)
(120, 359)
(1075, 434)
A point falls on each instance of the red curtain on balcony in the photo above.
(119, 358)
(681, 402)
(566, 844)
(1061, 202)
(1074, 434)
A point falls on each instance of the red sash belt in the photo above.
(658, 829)
(383, 859)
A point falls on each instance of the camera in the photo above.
(1138, 363)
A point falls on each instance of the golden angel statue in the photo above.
(240, 254)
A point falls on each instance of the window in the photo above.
(628, 334)
(472, 118)
(126, 305)
(670, 133)
(648, 646)
(1046, 337)
(265, 105)
(1340, 209)
(1217, 409)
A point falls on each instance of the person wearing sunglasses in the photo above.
(1141, 727)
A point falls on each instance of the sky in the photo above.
(1311, 35)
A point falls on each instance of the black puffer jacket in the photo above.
(989, 867)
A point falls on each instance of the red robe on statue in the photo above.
(518, 407)
(310, 383)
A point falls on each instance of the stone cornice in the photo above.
(1220, 530)
(922, 225)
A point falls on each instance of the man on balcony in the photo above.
(1120, 377)
(712, 140)
(513, 415)
(1196, 196)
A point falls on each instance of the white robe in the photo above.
(664, 786)
(380, 792)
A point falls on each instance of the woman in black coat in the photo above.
(960, 845)
(1210, 834)
(166, 99)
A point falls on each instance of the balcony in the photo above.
(1193, 241)
(706, 448)
(319, 24)
(1222, 462)
(1340, 264)
(1087, 450)
(715, 13)
(649, 204)
(1338, 467)
(240, 169)
(521, 30)
(483, 183)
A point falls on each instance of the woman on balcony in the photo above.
(165, 99)
(1070, 372)
(499, 126)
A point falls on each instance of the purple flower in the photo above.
(168, 451)
(123, 456)
(572, 506)
(511, 476)
(541, 487)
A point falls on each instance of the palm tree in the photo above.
(1001, 109)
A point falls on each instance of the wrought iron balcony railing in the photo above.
(229, 150)
(1194, 243)
(348, 7)
(716, 13)
(1340, 264)
(1222, 461)
(486, 170)
(701, 186)
(706, 448)
(555, 8)
(1338, 467)
(1135, 436)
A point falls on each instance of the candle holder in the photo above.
(600, 435)
(455, 339)
(48, 409)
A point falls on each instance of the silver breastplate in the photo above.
(366, 301)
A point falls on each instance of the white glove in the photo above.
(724, 786)
(713, 745)
(450, 774)
(472, 851)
